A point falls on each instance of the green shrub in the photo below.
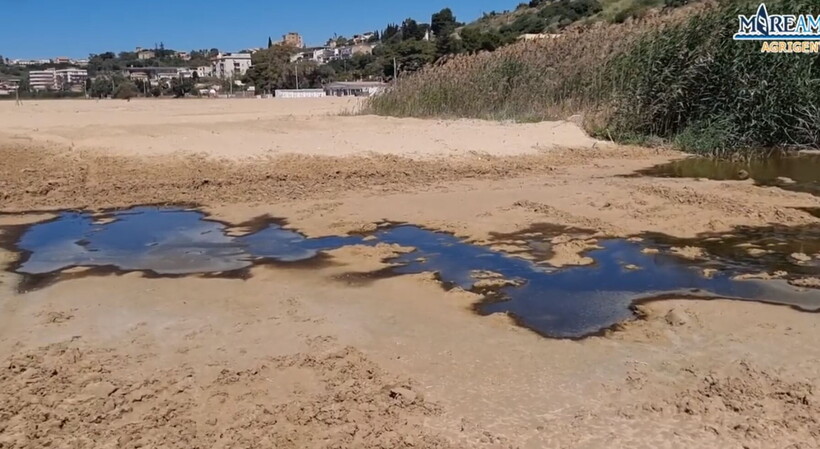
(126, 91)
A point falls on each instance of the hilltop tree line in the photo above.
(412, 44)
(402, 48)
(111, 62)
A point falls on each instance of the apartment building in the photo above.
(70, 78)
(63, 79)
(41, 80)
(155, 75)
(231, 65)
(294, 40)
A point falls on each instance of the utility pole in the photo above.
(297, 74)
(395, 69)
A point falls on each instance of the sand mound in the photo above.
(64, 396)
(739, 403)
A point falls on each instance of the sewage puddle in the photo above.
(563, 303)
(796, 173)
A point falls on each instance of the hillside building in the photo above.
(294, 40)
(231, 65)
(62, 79)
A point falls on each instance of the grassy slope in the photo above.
(612, 11)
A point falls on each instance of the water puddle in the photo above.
(564, 303)
(796, 173)
(160, 241)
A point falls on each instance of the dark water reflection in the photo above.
(797, 173)
(566, 303)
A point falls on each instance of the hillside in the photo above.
(551, 16)
(675, 76)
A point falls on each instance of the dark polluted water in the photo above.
(562, 303)
(800, 173)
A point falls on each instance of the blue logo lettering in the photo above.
(782, 27)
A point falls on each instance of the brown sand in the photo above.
(306, 358)
(240, 129)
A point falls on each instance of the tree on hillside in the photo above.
(411, 55)
(448, 44)
(127, 55)
(443, 21)
(270, 42)
(270, 68)
(410, 29)
(391, 31)
(474, 40)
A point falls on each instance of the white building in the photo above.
(354, 88)
(40, 80)
(53, 79)
(24, 62)
(204, 71)
(311, 54)
(184, 72)
(231, 65)
(67, 79)
(157, 75)
(8, 85)
(299, 93)
(363, 38)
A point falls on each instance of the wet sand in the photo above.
(304, 357)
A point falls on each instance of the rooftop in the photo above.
(153, 69)
(355, 84)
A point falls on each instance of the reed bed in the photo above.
(674, 76)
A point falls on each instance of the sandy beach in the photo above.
(332, 355)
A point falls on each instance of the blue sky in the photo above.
(51, 28)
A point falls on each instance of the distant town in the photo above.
(62, 74)
(359, 65)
